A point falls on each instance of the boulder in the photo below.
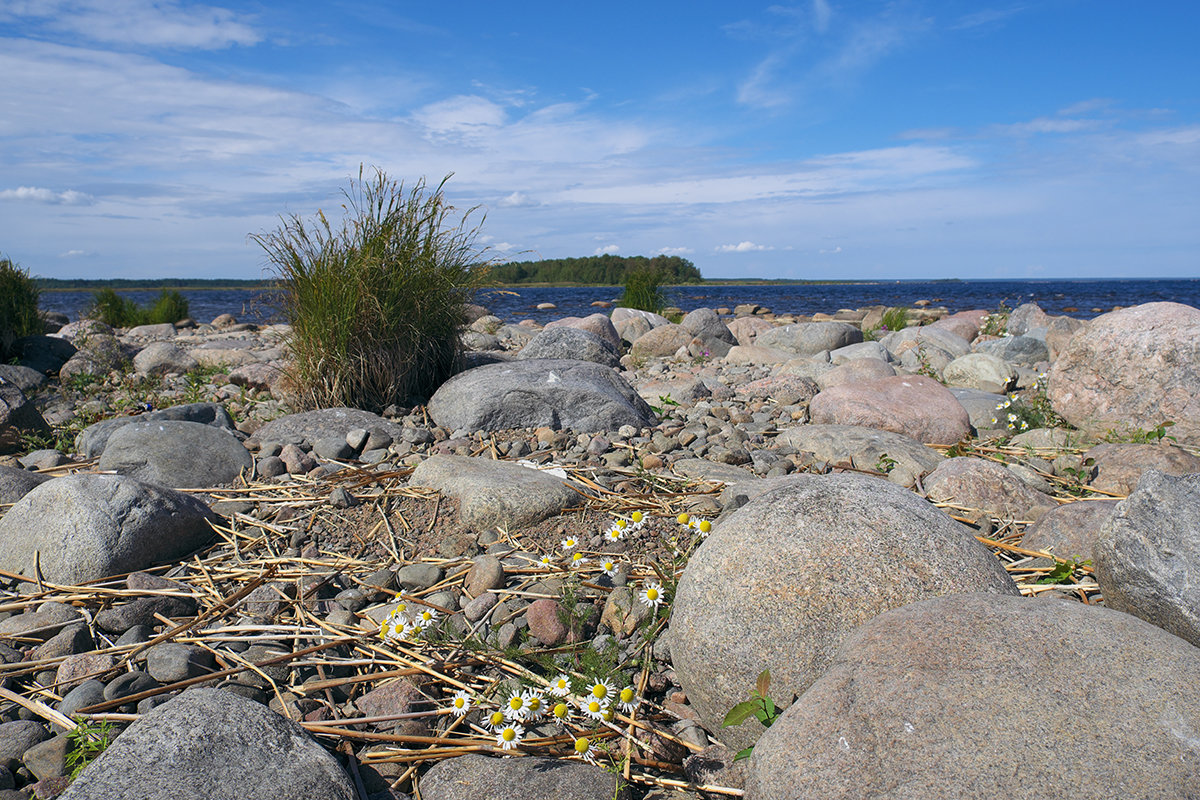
(781, 581)
(981, 406)
(210, 744)
(784, 390)
(159, 358)
(91, 441)
(1148, 554)
(181, 455)
(261, 375)
(1024, 350)
(854, 352)
(965, 324)
(857, 370)
(1119, 466)
(596, 324)
(632, 329)
(1026, 317)
(622, 315)
(978, 484)
(26, 379)
(756, 354)
(558, 393)
(810, 338)
(913, 405)
(19, 417)
(494, 493)
(983, 695)
(1070, 531)
(308, 427)
(45, 354)
(865, 448)
(571, 343)
(661, 342)
(158, 330)
(16, 483)
(747, 329)
(706, 326)
(474, 777)
(928, 337)
(84, 527)
(982, 371)
(1137, 367)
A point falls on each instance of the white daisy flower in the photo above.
(638, 518)
(578, 560)
(460, 703)
(586, 750)
(561, 686)
(627, 699)
(515, 708)
(684, 519)
(509, 736)
(426, 618)
(601, 689)
(613, 534)
(561, 712)
(546, 561)
(609, 568)
(652, 595)
(704, 526)
(497, 720)
(593, 708)
(535, 705)
(570, 543)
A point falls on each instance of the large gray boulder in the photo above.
(16, 483)
(558, 393)
(1117, 466)
(474, 777)
(1024, 350)
(927, 337)
(492, 493)
(781, 581)
(810, 338)
(566, 342)
(903, 458)
(1070, 531)
(988, 696)
(210, 744)
(1133, 368)
(1148, 554)
(18, 417)
(709, 333)
(159, 358)
(92, 440)
(311, 426)
(84, 527)
(976, 484)
(982, 371)
(661, 342)
(181, 455)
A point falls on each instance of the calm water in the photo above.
(1079, 298)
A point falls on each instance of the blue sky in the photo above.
(818, 139)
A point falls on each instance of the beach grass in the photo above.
(122, 312)
(18, 305)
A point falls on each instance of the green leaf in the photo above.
(771, 712)
(740, 713)
(744, 753)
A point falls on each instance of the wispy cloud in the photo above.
(673, 251)
(151, 23)
(743, 247)
(986, 17)
(38, 194)
(608, 249)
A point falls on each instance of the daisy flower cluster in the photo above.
(1020, 412)
(622, 526)
(405, 624)
(523, 709)
(691, 523)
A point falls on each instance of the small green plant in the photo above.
(1029, 409)
(926, 367)
(885, 463)
(759, 706)
(122, 312)
(996, 323)
(1063, 571)
(894, 319)
(18, 306)
(643, 290)
(378, 303)
(1141, 436)
(86, 742)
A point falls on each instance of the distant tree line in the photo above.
(605, 270)
(74, 284)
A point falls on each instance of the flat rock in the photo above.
(26, 379)
(1070, 531)
(1148, 554)
(926, 336)
(865, 448)
(856, 370)
(1137, 367)
(914, 405)
(571, 343)
(181, 455)
(934, 700)
(980, 406)
(597, 324)
(1024, 350)
(494, 493)
(756, 354)
(309, 426)
(975, 483)
(91, 441)
(87, 527)
(982, 371)
(1119, 466)
(710, 471)
(810, 338)
(781, 581)
(473, 777)
(209, 744)
(557, 393)
(160, 358)
(661, 341)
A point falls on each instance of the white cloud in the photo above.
(154, 23)
(75, 254)
(832, 251)
(821, 15)
(743, 247)
(607, 250)
(460, 114)
(1050, 125)
(673, 251)
(38, 194)
(517, 200)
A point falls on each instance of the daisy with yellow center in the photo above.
(561, 713)
(496, 720)
(613, 535)
(570, 543)
(578, 560)
(426, 618)
(704, 526)
(561, 686)
(535, 706)
(461, 703)
(609, 568)
(637, 517)
(546, 561)
(509, 736)
(652, 595)
(627, 699)
(601, 689)
(683, 519)
(586, 750)
(593, 708)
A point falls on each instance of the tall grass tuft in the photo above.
(377, 304)
(18, 306)
(895, 319)
(643, 290)
(122, 312)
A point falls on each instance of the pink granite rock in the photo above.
(913, 405)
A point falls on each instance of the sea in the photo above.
(1082, 298)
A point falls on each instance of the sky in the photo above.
(908, 139)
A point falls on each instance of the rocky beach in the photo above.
(958, 554)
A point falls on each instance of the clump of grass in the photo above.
(18, 306)
(643, 290)
(894, 319)
(377, 304)
(122, 312)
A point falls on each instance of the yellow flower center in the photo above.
(515, 703)
(560, 710)
(582, 745)
(594, 707)
(652, 594)
(599, 691)
(705, 526)
(627, 695)
(509, 734)
(682, 519)
(637, 516)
